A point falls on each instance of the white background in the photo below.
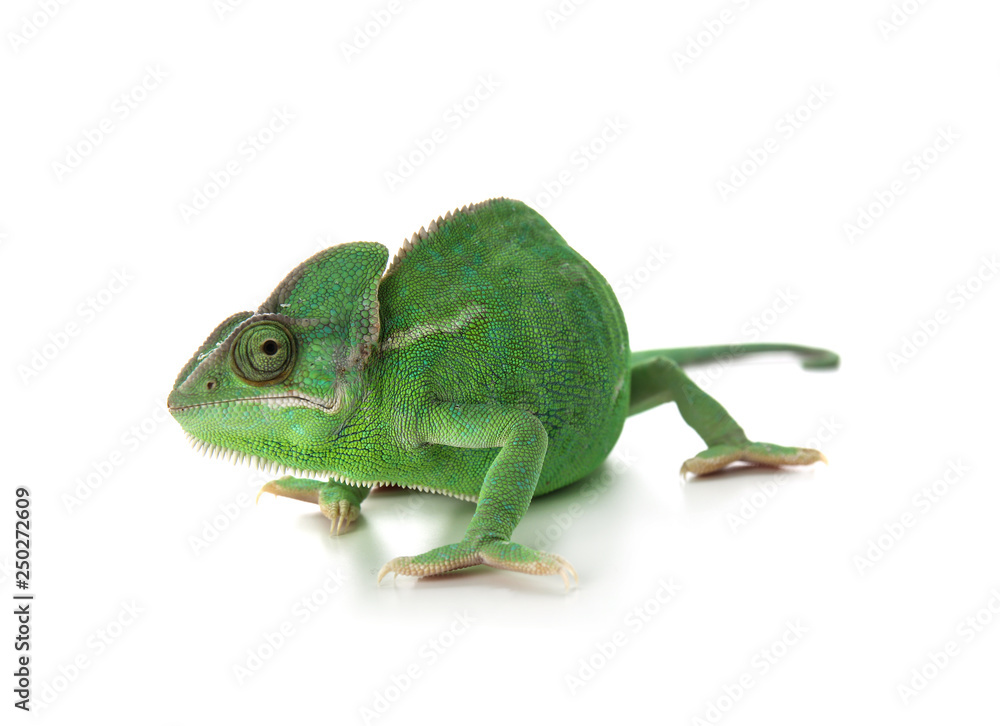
(486, 645)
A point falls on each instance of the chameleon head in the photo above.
(279, 383)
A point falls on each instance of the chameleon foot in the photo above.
(502, 555)
(718, 457)
(340, 503)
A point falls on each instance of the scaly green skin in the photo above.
(489, 362)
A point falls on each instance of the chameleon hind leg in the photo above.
(657, 379)
(503, 498)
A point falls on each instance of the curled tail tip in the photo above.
(822, 360)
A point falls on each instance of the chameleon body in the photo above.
(489, 362)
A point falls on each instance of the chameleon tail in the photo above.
(816, 358)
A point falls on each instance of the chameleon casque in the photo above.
(489, 362)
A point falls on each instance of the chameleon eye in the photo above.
(263, 353)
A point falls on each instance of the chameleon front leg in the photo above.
(503, 499)
(340, 503)
(659, 379)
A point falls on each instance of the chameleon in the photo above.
(489, 362)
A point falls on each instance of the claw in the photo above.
(388, 567)
(337, 524)
(341, 514)
(566, 569)
(569, 567)
(276, 488)
(266, 489)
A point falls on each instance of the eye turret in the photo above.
(263, 353)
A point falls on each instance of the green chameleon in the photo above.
(489, 362)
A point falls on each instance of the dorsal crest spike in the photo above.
(434, 227)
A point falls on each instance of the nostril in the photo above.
(210, 385)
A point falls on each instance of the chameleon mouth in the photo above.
(283, 400)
